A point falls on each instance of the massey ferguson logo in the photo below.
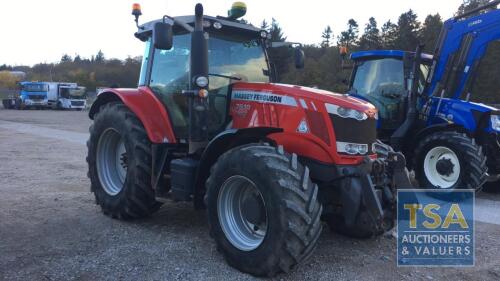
(263, 97)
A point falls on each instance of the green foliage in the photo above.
(408, 31)
(469, 5)
(327, 36)
(90, 73)
(430, 31)
(349, 37)
(371, 39)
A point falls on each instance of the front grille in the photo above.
(354, 131)
(36, 97)
(77, 103)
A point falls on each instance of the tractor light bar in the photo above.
(352, 148)
(346, 112)
(495, 122)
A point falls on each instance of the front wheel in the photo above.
(450, 160)
(263, 210)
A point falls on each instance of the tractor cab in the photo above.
(383, 78)
(236, 53)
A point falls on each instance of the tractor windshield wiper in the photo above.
(225, 76)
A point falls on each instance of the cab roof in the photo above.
(228, 25)
(397, 54)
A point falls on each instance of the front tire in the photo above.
(448, 161)
(119, 161)
(263, 210)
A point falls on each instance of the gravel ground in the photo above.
(51, 229)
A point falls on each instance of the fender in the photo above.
(146, 106)
(438, 128)
(223, 142)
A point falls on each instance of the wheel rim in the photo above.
(242, 213)
(442, 167)
(111, 161)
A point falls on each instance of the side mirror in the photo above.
(162, 36)
(299, 58)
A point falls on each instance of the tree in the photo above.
(276, 32)
(7, 80)
(389, 35)
(77, 59)
(349, 37)
(99, 57)
(408, 31)
(469, 5)
(371, 39)
(66, 58)
(326, 35)
(430, 31)
(264, 25)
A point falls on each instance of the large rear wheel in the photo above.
(263, 209)
(119, 161)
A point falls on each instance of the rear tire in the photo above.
(289, 208)
(124, 191)
(448, 161)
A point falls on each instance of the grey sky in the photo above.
(42, 31)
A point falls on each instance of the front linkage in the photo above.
(368, 194)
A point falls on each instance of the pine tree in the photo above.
(389, 35)
(430, 31)
(469, 5)
(264, 25)
(99, 57)
(66, 58)
(349, 37)
(408, 31)
(371, 39)
(326, 35)
(277, 34)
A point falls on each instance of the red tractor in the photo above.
(268, 161)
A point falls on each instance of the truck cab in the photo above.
(32, 95)
(67, 96)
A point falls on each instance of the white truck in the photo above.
(63, 95)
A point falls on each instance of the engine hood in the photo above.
(300, 93)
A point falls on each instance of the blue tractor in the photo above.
(433, 107)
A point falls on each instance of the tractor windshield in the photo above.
(231, 59)
(379, 79)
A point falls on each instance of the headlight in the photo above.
(352, 148)
(495, 122)
(201, 81)
(346, 112)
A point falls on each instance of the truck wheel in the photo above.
(119, 161)
(450, 160)
(263, 210)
